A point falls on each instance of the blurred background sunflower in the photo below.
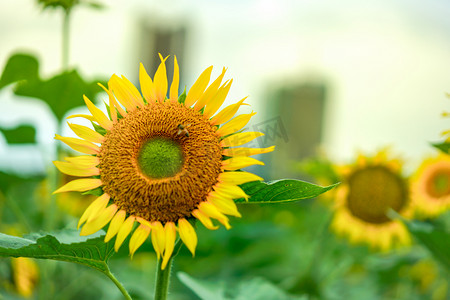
(370, 188)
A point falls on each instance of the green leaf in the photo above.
(23, 134)
(286, 190)
(260, 288)
(96, 192)
(254, 289)
(182, 97)
(61, 92)
(444, 147)
(65, 245)
(435, 238)
(20, 67)
(204, 289)
(99, 128)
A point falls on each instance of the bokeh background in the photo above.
(329, 77)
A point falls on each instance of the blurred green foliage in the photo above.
(67, 5)
(22, 134)
(61, 92)
(444, 147)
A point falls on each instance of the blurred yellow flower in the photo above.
(370, 187)
(430, 186)
(25, 275)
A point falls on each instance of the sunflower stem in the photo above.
(118, 284)
(163, 276)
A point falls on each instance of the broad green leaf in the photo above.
(66, 245)
(444, 147)
(286, 190)
(204, 289)
(20, 67)
(254, 289)
(23, 134)
(61, 92)
(260, 288)
(435, 238)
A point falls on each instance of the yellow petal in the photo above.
(210, 210)
(99, 116)
(230, 190)
(115, 224)
(75, 170)
(217, 100)
(112, 108)
(86, 161)
(198, 87)
(87, 133)
(243, 151)
(123, 95)
(175, 81)
(160, 80)
(147, 86)
(144, 222)
(79, 145)
(80, 185)
(227, 113)
(224, 204)
(171, 234)
(97, 205)
(158, 238)
(124, 231)
(132, 92)
(187, 235)
(206, 221)
(240, 162)
(210, 92)
(240, 138)
(88, 117)
(138, 238)
(113, 104)
(100, 221)
(238, 177)
(235, 124)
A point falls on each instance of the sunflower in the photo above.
(371, 187)
(430, 186)
(161, 163)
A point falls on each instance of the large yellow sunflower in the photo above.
(161, 163)
(371, 187)
(430, 186)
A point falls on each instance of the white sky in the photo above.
(387, 63)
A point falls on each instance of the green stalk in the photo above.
(163, 276)
(65, 40)
(118, 284)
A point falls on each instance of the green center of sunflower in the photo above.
(160, 158)
(372, 191)
(439, 184)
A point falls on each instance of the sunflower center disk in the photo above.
(160, 158)
(153, 172)
(439, 184)
(373, 191)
